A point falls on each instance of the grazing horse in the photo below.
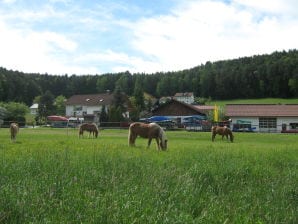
(90, 127)
(223, 131)
(14, 129)
(149, 131)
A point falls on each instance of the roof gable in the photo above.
(261, 110)
(177, 108)
(90, 99)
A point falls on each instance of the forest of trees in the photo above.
(272, 75)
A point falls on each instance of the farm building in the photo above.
(176, 108)
(88, 106)
(187, 97)
(182, 112)
(34, 109)
(263, 117)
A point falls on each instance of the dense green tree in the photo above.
(15, 109)
(59, 103)
(115, 114)
(3, 114)
(139, 95)
(272, 75)
(14, 112)
(103, 115)
(46, 106)
(125, 83)
(118, 99)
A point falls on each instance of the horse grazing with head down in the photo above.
(223, 131)
(149, 131)
(14, 129)
(90, 127)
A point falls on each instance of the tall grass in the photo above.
(51, 176)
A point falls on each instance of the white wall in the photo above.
(69, 110)
(255, 122)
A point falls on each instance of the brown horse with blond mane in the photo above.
(90, 127)
(150, 131)
(14, 129)
(223, 131)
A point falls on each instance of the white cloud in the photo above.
(77, 40)
(31, 51)
(8, 1)
(213, 30)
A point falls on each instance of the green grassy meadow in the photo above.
(256, 101)
(52, 176)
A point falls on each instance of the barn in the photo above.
(182, 112)
(263, 117)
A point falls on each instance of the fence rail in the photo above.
(190, 127)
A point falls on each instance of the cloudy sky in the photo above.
(102, 36)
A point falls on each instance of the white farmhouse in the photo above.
(89, 105)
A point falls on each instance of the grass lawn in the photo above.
(52, 176)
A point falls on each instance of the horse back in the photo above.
(144, 130)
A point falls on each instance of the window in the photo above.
(78, 108)
(294, 125)
(267, 122)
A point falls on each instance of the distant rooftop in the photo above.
(262, 110)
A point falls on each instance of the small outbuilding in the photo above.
(34, 109)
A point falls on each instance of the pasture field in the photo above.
(256, 101)
(48, 176)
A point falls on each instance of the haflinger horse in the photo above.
(14, 129)
(150, 131)
(90, 127)
(223, 131)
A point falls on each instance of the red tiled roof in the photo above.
(90, 99)
(261, 110)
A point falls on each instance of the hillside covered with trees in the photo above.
(272, 75)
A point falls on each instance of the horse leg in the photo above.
(131, 139)
(213, 136)
(13, 138)
(157, 142)
(149, 142)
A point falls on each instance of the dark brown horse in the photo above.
(14, 129)
(149, 131)
(223, 131)
(90, 127)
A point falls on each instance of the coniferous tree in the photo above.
(139, 95)
(46, 106)
(103, 116)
